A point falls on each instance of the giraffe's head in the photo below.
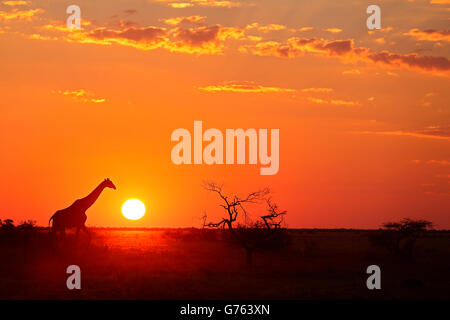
(108, 184)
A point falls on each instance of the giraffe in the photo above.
(75, 216)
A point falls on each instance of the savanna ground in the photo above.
(201, 264)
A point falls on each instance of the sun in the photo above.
(133, 209)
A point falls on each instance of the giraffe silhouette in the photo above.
(75, 216)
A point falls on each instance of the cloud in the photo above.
(437, 131)
(332, 30)
(440, 1)
(191, 19)
(316, 100)
(130, 11)
(403, 133)
(432, 132)
(317, 90)
(387, 29)
(440, 162)
(345, 49)
(202, 39)
(16, 3)
(146, 38)
(411, 61)
(81, 95)
(216, 3)
(426, 102)
(121, 24)
(180, 5)
(298, 46)
(202, 3)
(333, 101)
(266, 28)
(429, 35)
(199, 39)
(147, 34)
(353, 71)
(344, 102)
(16, 14)
(37, 36)
(244, 87)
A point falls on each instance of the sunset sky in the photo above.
(364, 116)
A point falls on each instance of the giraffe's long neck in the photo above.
(90, 199)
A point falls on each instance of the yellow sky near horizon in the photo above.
(364, 116)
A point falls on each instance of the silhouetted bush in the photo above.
(27, 226)
(17, 236)
(400, 237)
(191, 234)
(257, 237)
(6, 225)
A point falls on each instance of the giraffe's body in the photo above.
(75, 216)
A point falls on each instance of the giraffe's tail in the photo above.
(51, 218)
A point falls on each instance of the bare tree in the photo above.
(260, 234)
(232, 204)
(274, 218)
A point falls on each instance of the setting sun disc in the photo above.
(133, 209)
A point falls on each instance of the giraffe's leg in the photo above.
(87, 232)
(54, 227)
(52, 232)
(52, 238)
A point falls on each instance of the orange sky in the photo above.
(364, 116)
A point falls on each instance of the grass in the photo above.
(200, 264)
